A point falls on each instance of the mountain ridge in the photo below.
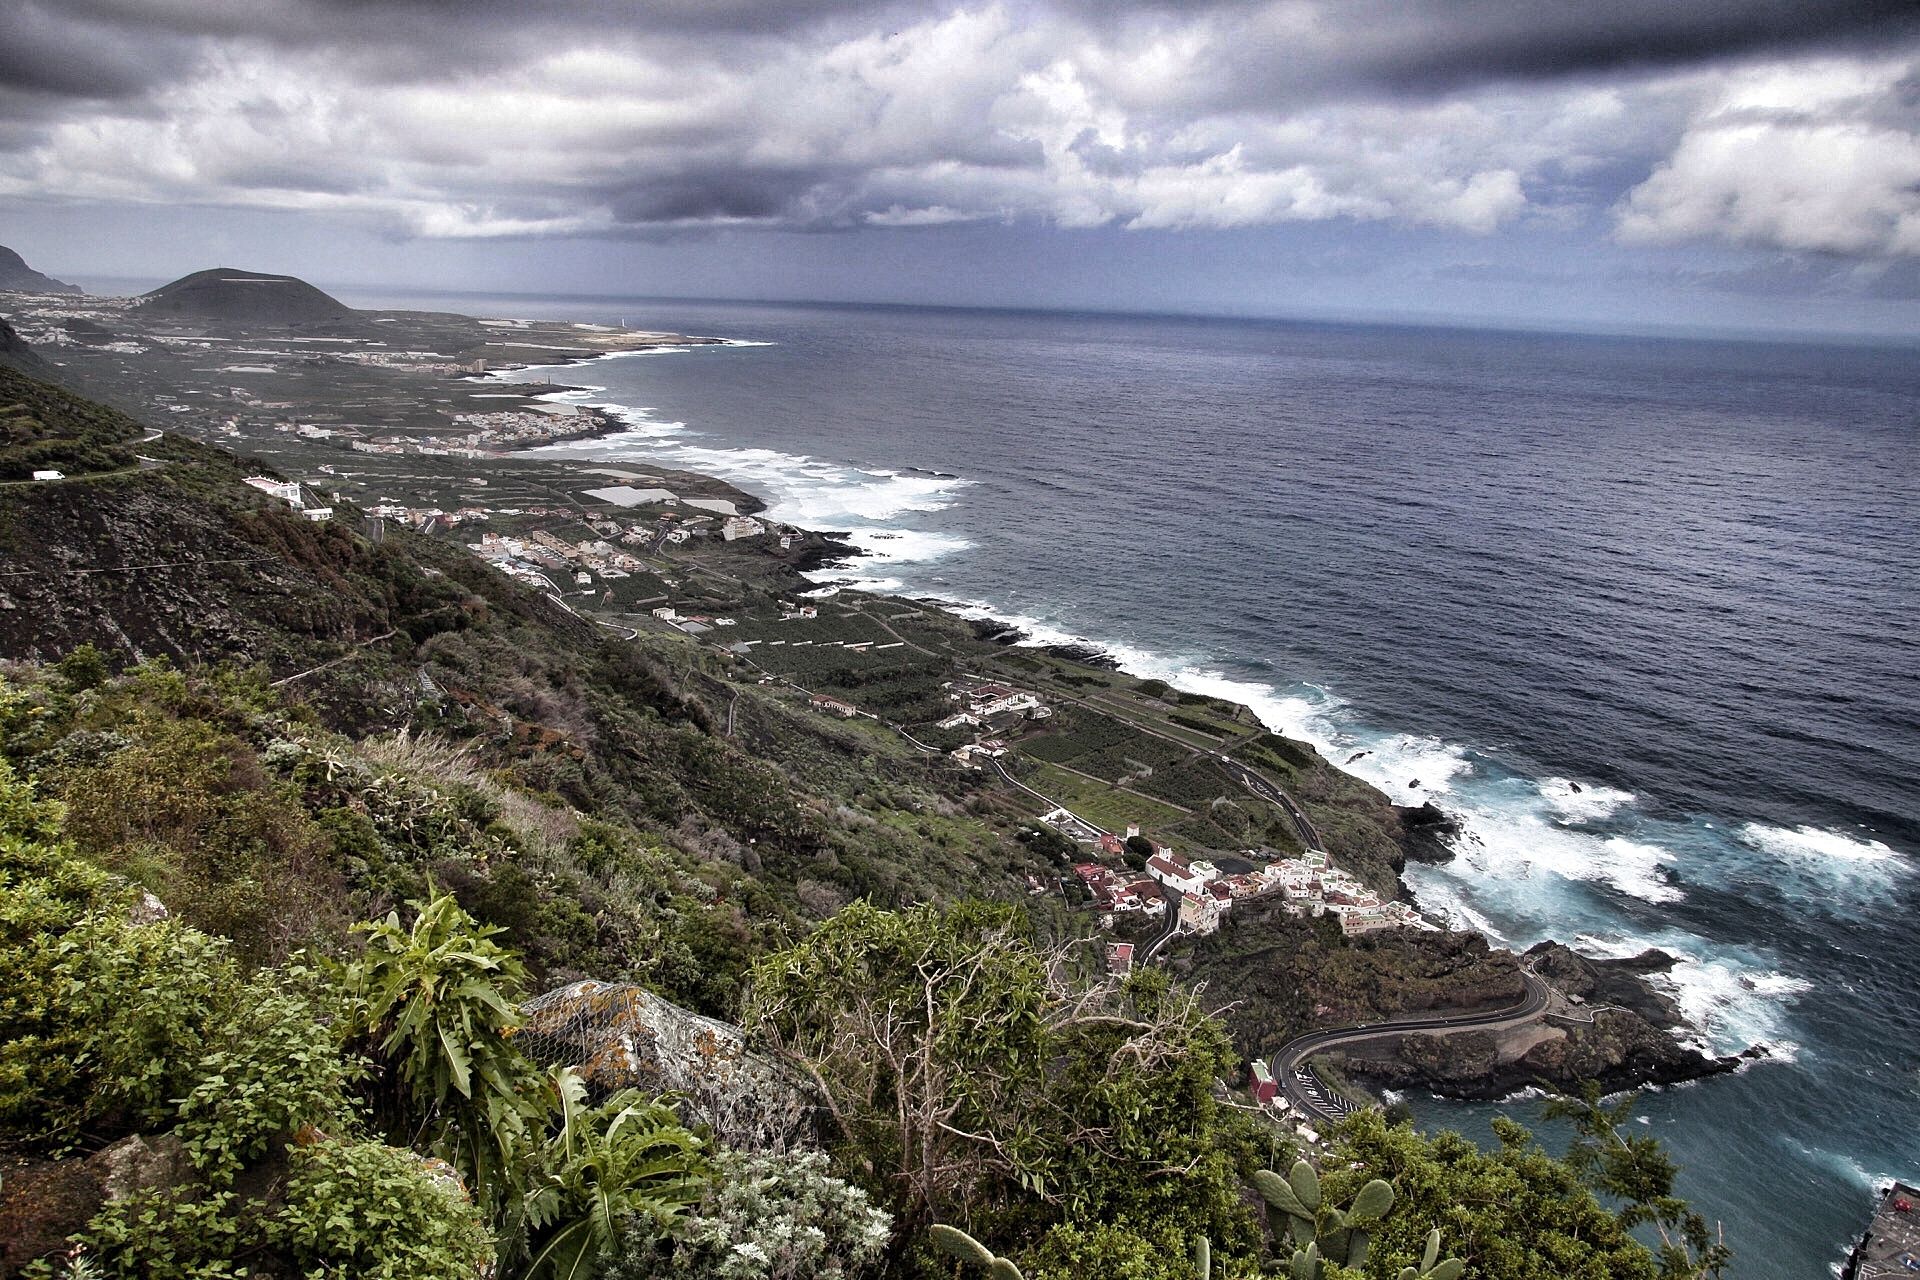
(16, 276)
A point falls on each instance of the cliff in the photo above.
(17, 277)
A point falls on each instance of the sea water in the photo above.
(1639, 611)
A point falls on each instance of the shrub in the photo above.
(275, 1066)
(378, 1213)
(628, 1156)
(767, 1217)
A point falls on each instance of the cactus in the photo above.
(1203, 1259)
(1431, 1268)
(1338, 1235)
(957, 1244)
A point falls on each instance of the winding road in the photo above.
(1305, 1091)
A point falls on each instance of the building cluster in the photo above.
(992, 711)
(692, 623)
(534, 555)
(1309, 885)
(429, 519)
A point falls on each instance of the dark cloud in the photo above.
(49, 53)
(627, 118)
(1439, 46)
(728, 195)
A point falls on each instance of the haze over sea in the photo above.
(1638, 610)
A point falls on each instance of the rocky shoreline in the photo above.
(1623, 1034)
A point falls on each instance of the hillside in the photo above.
(18, 354)
(227, 295)
(295, 814)
(43, 427)
(184, 561)
(16, 276)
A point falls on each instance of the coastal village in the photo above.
(631, 554)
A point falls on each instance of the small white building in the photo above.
(317, 514)
(666, 614)
(741, 527)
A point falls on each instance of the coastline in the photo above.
(1686, 1053)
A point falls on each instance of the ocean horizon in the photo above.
(1629, 607)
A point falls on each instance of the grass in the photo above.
(1102, 805)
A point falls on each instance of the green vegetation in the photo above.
(971, 1079)
(765, 1217)
(265, 928)
(43, 427)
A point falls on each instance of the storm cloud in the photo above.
(1764, 123)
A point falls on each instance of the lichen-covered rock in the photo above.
(621, 1036)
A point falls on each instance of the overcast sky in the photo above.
(1747, 163)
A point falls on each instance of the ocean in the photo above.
(1639, 610)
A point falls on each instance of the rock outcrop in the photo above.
(43, 1203)
(621, 1036)
(1426, 832)
(1616, 1029)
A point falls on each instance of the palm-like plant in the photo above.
(437, 1005)
(629, 1155)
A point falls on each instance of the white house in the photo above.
(1175, 872)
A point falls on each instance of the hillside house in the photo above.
(1199, 913)
(1264, 1087)
(833, 706)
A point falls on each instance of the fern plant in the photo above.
(630, 1155)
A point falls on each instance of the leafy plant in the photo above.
(628, 1156)
(437, 1005)
(1636, 1170)
(1431, 1267)
(367, 1210)
(961, 1247)
(274, 1067)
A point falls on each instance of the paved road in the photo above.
(1305, 1090)
(1171, 926)
(1258, 784)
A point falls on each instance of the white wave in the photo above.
(1583, 802)
(873, 586)
(1813, 845)
(881, 546)
(799, 489)
(1734, 1005)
